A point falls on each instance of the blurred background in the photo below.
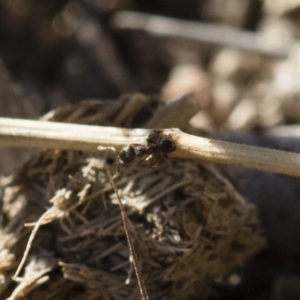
(240, 60)
(239, 57)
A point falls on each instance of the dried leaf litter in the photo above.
(190, 227)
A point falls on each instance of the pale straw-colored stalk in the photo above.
(53, 135)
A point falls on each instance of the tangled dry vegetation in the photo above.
(191, 229)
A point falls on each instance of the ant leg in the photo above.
(154, 161)
(145, 158)
(118, 168)
(151, 163)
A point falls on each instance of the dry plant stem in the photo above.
(176, 113)
(132, 251)
(52, 135)
(263, 159)
(28, 247)
(197, 32)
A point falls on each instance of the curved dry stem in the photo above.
(28, 247)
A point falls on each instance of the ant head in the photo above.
(127, 155)
(166, 145)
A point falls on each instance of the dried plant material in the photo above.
(232, 13)
(133, 258)
(35, 275)
(236, 65)
(201, 122)
(197, 32)
(54, 135)
(189, 228)
(254, 85)
(285, 87)
(186, 237)
(187, 79)
(125, 112)
(224, 97)
(280, 7)
(178, 113)
(243, 115)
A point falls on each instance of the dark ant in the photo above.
(157, 144)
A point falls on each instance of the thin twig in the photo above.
(132, 251)
(198, 32)
(52, 135)
(28, 247)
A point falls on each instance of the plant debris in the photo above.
(189, 226)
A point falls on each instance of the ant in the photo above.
(157, 144)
